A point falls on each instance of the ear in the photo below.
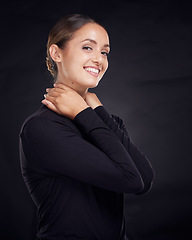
(55, 53)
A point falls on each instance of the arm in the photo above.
(54, 149)
(140, 160)
(118, 128)
(63, 97)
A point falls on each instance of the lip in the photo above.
(95, 74)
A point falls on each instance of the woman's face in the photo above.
(84, 58)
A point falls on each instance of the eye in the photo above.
(87, 48)
(105, 53)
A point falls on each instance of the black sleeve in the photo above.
(55, 149)
(142, 163)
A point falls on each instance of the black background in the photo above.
(148, 84)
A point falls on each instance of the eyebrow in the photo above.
(93, 41)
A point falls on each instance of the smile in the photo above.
(92, 71)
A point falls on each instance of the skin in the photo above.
(87, 49)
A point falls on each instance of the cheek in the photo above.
(105, 66)
(79, 61)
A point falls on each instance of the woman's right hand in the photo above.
(64, 101)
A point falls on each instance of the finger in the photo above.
(51, 97)
(50, 105)
(59, 90)
(54, 94)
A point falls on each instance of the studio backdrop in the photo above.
(148, 84)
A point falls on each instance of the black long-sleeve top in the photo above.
(77, 171)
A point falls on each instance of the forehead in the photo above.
(91, 31)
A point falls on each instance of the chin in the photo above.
(93, 85)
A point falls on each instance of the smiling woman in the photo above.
(83, 61)
(78, 160)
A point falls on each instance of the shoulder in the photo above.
(44, 119)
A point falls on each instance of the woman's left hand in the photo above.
(92, 100)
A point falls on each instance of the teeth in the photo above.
(92, 70)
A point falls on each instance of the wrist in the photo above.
(80, 109)
(98, 105)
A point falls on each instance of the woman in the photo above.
(77, 160)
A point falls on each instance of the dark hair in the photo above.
(62, 32)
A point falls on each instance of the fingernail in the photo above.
(45, 95)
(44, 102)
(47, 89)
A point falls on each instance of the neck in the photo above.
(82, 91)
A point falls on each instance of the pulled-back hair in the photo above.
(62, 32)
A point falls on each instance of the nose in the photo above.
(97, 58)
